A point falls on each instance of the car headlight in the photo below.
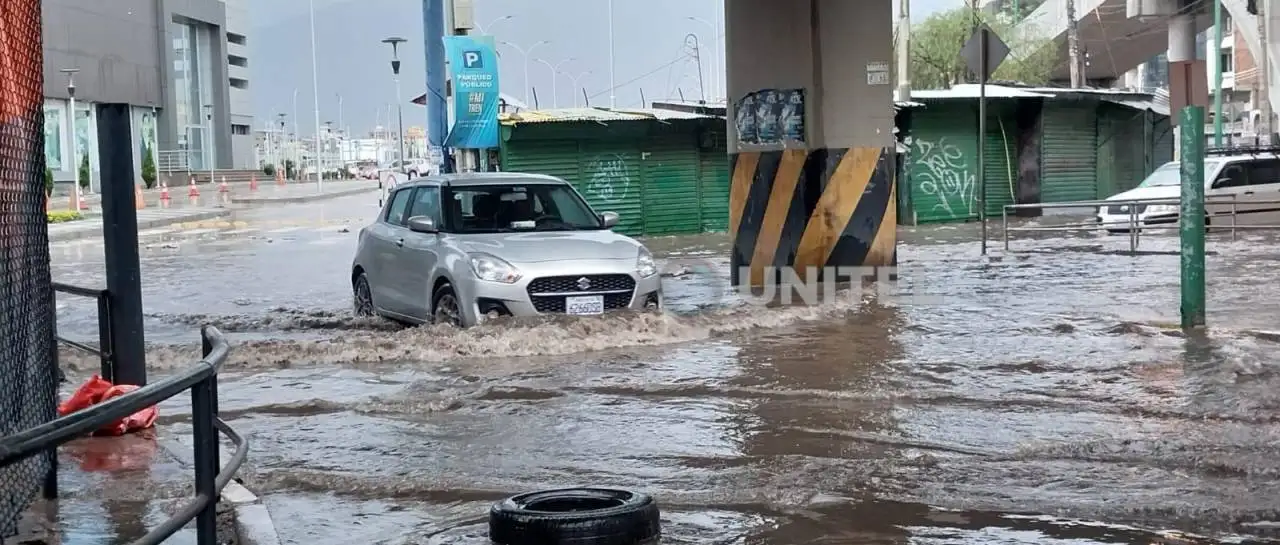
(645, 264)
(1162, 209)
(492, 269)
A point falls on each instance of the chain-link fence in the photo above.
(28, 365)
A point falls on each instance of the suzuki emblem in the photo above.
(584, 284)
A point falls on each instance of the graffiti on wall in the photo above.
(943, 172)
(608, 178)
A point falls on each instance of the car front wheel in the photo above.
(446, 309)
(363, 296)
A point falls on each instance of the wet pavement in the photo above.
(1042, 398)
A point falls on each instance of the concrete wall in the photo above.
(114, 44)
(824, 47)
(239, 86)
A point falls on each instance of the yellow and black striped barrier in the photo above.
(799, 209)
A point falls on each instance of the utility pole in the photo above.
(1073, 46)
(1264, 75)
(904, 50)
(1217, 73)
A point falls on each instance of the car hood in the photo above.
(534, 247)
(1153, 192)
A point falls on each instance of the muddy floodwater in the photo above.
(1043, 398)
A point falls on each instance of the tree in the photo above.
(85, 173)
(148, 167)
(936, 44)
(48, 181)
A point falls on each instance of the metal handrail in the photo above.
(1134, 226)
(105, 350)
(210, 477)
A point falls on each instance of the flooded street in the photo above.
(1045, 398)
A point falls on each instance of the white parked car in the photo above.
(1237, 181)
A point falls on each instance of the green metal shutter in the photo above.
(1121, 150)
(1162, 131)
(1069, 153)
(714, 170)
(942, 165)
(671, 200)
(557, 158)
(1001, 158)
(611, 178)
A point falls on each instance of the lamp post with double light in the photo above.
(395, 71)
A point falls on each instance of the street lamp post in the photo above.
(280, 155)
(525, 53)
(715, 67)
(315, 93)
(482, 28)
(395, 71)
(555, 70)
(613, 83)
(577, 85)
(75, 138)
(207, 142)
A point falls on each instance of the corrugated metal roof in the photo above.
(970, 90)
(597, 115)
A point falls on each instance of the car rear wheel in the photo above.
(363, 296)
(446, 310)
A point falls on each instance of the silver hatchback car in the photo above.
(460, 248)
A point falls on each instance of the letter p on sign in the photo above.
(472, 59)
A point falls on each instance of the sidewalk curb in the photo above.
(301, 198)
(76, 234)
(252, 519)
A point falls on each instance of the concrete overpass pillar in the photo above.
(811, 140)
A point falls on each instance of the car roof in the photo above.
(484, 178)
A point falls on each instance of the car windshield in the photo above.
(1171, 174)
(502, 208)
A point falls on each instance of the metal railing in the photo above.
(105, 350)
(173, 161)
(1135, 225)
(202, 379)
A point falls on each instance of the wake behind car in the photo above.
(461, 248)
(1242, 182)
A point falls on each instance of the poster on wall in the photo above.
(771, 116)
(745, 120)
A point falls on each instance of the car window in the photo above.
(1264, 171)
(1232, 175)
(399, 205)
(426, 202)
(510, 207)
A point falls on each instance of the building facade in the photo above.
(167, 59)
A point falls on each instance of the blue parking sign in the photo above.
(473, 67)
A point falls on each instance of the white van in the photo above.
(1241, 178)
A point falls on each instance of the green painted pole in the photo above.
(1191, 216)
(1217, 76)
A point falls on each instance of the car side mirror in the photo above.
(423, 224)
(609, 219)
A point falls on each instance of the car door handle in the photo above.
(1248, 192)
(400, 243)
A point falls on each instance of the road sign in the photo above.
(973, 50)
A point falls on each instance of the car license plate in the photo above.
(585, 304)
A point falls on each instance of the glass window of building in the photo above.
(53, 137)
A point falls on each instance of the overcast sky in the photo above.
(649, 35)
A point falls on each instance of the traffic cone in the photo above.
(139, 202)
(83, 205)
(253, 182)
(193, 191)
(164, 195)
(222, 187)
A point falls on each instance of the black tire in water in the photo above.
(445, 308)
(577, 516)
